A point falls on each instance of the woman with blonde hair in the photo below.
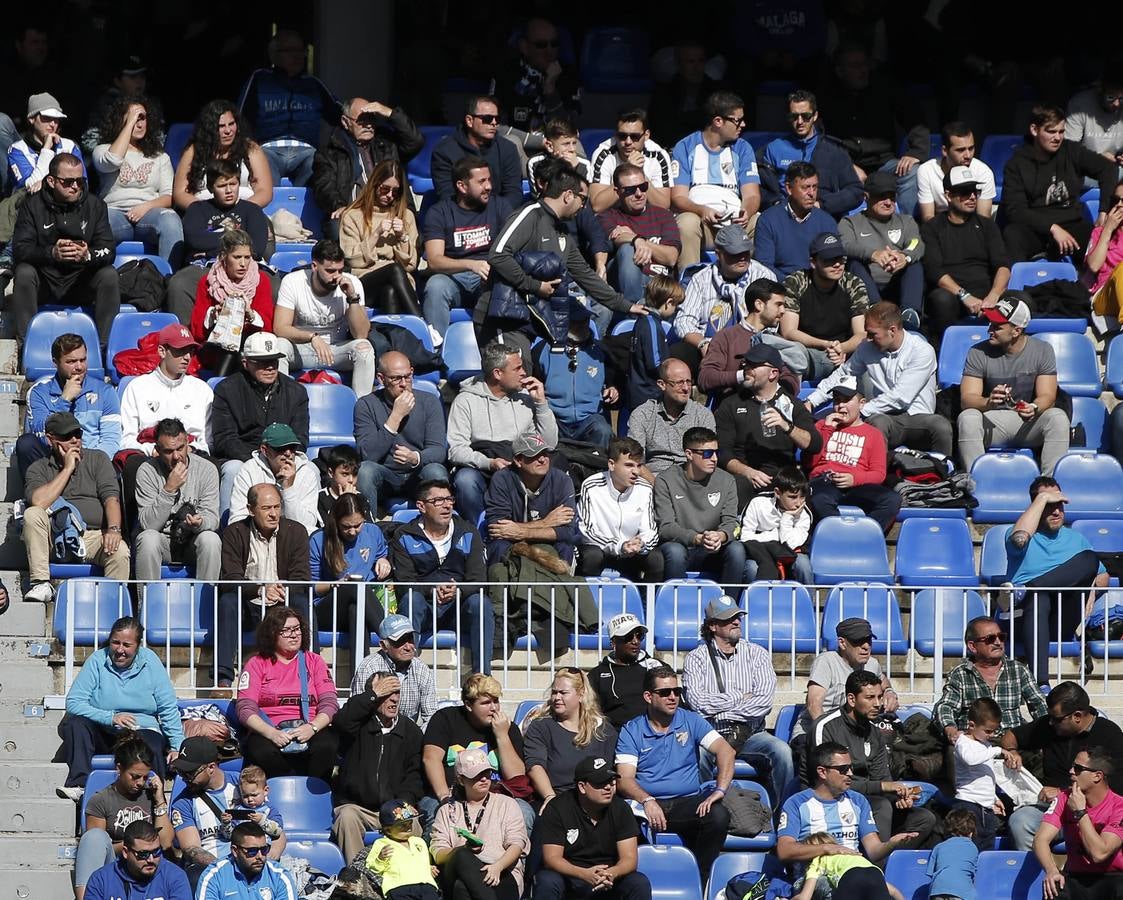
(561, 732)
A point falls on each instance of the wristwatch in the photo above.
(1079, 814)
(962, 294)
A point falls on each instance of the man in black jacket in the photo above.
(247, 401)
(63, 249)
(618, 678)
(381, 761)
(478, 136)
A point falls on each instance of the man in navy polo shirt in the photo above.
(657, 760)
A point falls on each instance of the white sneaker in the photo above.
(71, 793)
(436, 337)
(40, 593)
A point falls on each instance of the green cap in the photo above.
(279, 435)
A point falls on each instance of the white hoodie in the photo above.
(608, 517)
(764, 521)
(152, 397)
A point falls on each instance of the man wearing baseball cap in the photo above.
(195, 810)
(397, 655)
(618, 677)
(29, 159)
(280, 460)
(1009, 390)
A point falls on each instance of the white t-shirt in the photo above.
(656, 163)
(327, 315)
(930, 182)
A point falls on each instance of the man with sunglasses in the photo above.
(247, 872)
(280, 460)
(632, 145)
(478, 135)
(537, 86)
(644, 235)
(618, 678)
(1095, 115)
(197, 809)
(139, 871)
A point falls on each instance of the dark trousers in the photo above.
(878, 502)
(98, 288)
(83, 738)
(920, 431)
(549, 885)
(462, 879)
(1022, 242)
(727, 564)
(389, 291)
(689, 354)
(861, 884)
(29, 448)
(414, 892)
(704, 836)
(905, 288)
(315, 762)
(986, 823)
(1091, 886)
(641, 567)
(229, 635)
(891, 821)
(944, 310)
(1040, 609)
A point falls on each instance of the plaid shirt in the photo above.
(1014, 687)
(419, 692)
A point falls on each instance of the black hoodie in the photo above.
(619, 687)
(42, 220)
(1040, 193)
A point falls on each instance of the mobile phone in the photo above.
(472, 840)
(355, 576)
(241, 813)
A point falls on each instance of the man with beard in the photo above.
(618, 678)
(139, 870)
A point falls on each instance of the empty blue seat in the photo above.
(288, 260)
(162, 265)
(405, 515)
(935, 552)
(127, 330)
(96, 603)
(591, 138)
(672, 871)
(179, 613)
(957, 340)
(849, 549)
(679, 606)
(616, 60)
(305, 804)
(1002, 486)
(612, 596)
(786, 719)
(992, 558)
(877, 604)
(781, 617)
(1008, 875)
(1105, 535)
(47, 325)
(525, 708)
(955, 606)
(728, 864)
(418, 168)
(460, 353)
(298, 201)
(1027, 274)
(1078, 371)
(996, 152)
(907, 871)
(331, 414)
(1113, 368)
(176, 140)
(1093, 483)
(1090, 200)
(1091, 415)
(321, 855)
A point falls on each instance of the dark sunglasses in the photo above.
(801, 116)
(70, 182)
(705, 454)
(254, 851)
(147, 854)
(1077, 768)
(1056, 720)
(844, 769)
(545, 45)
(622, 136)
(571, 352)
(668, 692)
(488, 119)
(997, 638)
(634, 189)
(1115, 200)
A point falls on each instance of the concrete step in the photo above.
(29, 743)
(13, 714)
(36, 851)
(25, 648)
(30, 779)
(23, 619)
(20, 680)
(36, 884)
(26, 816)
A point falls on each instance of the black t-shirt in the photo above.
(450, 730)
(740, 434)
(970, 253)
(592, 845)
(205, 222)
(826, 314)
(1058, 752)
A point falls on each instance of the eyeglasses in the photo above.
(1077, 769)
(682, 382)
(488, 119)
(996, 637)
(584, 198)
(397, 379)
(1112, 98)
(634, 189)
(668, 692)
(844, 769)
(1056, 720)
(294, 631)
(254, 851)
(387, 189)
(705, 454)
(440, 501)
(739, 121)
(546, 45)
(801, 116)
(70, 182)
(623, 136)
(142, 855)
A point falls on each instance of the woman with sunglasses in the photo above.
(1103, 275)
(378, 234)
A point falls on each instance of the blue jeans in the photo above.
(727, 564)
(445, 292)
(593, 429)
(1023, 824)
(161, 231)
(763, 751)
(295, 162)
(470, 486)
(477, 623)
(625, 275)
(95, 849)
(906, 187)
(375, 478)
(907, 285)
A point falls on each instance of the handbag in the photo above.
(517, 786)
(289, 725)
(735, 733)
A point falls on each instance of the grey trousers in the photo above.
(153, 549)
(980, 429)
(917, 431)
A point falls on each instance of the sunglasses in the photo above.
(488, 119)
(668, 692)
(142, 855)
(254, 851)
(1077, 768)
(844, 769)
(545, 45)
(801, 116)
(571, 352)
(70, 182)
(705, 454)
(996, 638)
(623, 136)
(640, 188)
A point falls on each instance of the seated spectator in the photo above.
(825, 307)
(432, 556)
(632, 146)
(248, 400)
(966, 265)
(478, 136)
(177, 508)
(1102, 274)
(233, 302)
(975, 784)
(590, 840)
(898, 369)
(1093, 117)
(128, 78)
(675, 104)
(1042, 553)
(715, 295)
(478, 431)
(957, 150)
(617, 519)
(560, 143)
(340, 465)
(63, 250)
(207, 791)
(1041, 190)
(492, 865)
(574, 375)
(29, 159)
(761, 427)
(218, 134)
(1009, 390)
(251, 804)
(397, 655)
(561, 732)
(659, 425)
(136, 179)
(348, 553)
(887, 255)
(368, 133)
(850, 467)
(1093, 858)
(839, 189)
(657, 761)
(140, 868)
(714, 175)
(538, 86)
(271, 690)
(279, 460)
(137, 795)
(381, 760)
(267, 552)
(851, 726)
(246, 865)
(775, 528)
(731, 682)
(378, 234)
(644, 236)
(645, 346)
(284, 106)
(400, 434)
(72, 389)
(121, 687)
(696, 512)
(458, 235)
(785, 230)
(81, 485)
(618, 677)
(1070, 724)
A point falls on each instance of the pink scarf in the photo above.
(219, 285)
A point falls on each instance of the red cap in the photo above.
(177, 337)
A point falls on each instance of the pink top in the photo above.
(1114, 257)
(273, 687)
(1107, 816)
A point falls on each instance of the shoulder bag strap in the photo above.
(304, 704)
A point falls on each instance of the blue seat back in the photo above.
(935, 552)
(996, 152)
(179, 613)
(1002, 486)
(957, 340)
(127, 329)
(679, 606)
(992, 558)
(874, 602)
(47, 325)
(907, 871)
(405, 515)
(525, 708)
(1027, 274)
(162, 265)
(288, 260)
(304, 802)
(1008, 875)
(415, 325)
(418, 168)
(1093, 483)
(176, 140)
(1091, 413)
(955, 608)
(786, 719)
(616, 60)
(460, 353)
(728, 864)
(591, 138)
(298, 201)
(96, 781)
(97, 604)
(1078, 370)
(331, 414)
(781, 616)
(849, 549)
(612, 596)
(1105, 535)
(321, 855)
(1113, 367)
(672, 871)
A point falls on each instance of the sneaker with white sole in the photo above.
(40, 593)
(71, 793)
(910, 319)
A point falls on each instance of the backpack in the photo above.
(142, 285)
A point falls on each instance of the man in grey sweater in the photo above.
(696, 513)
(177, 507)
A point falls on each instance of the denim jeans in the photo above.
(161, 230)
(625, 275)
(593, 429)
(470, 486)
(763, 751)
(376, 480)
(728, 563)
(295, 162)
(907, 285)
(477, 623)
(906, 189)
(445, 292)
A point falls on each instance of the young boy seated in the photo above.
(775, 528)
(561, 143)
(836, 866)
(975, 782)
(251, 804)
(342, 465)
(400, 858)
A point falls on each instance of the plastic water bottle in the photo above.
(766, 430)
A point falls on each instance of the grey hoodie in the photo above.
(477, 414)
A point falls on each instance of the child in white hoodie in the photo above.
(775, 528)
(975, 778)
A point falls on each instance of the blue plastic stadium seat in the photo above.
(849, 549)
(418, 168)
(405, 515)
(331, 418)
(1008, 875)
(957, 340)
(907, 871)
(781, 617)
(728, 864)
(321, 855)
(996, 152)
(61, 571)
(127, 329)
(1027, 274)
(766, 840)
(1105, 535)
(525, 708)
(786, 719)
(305, 804)
(176, 140)
(164, 267)
(877, 604)
(758, 140)
(415, 325)
(616, 60)
(1093, 484)
(612, 596)
(1091, 413)
(288, 260)
(1078, 371)
(935, 552)
(41, 333)
(97, 603)
(179, 613)
(956, 606)
(679, 605)
(299, 202)
(100, 778)
(459, 353)
(1090, 200)
(591, 138)
(131, 248)
(1002, 486)
(1113, 368)
(672, 871)
(992, 558)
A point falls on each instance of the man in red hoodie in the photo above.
(850, 468)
